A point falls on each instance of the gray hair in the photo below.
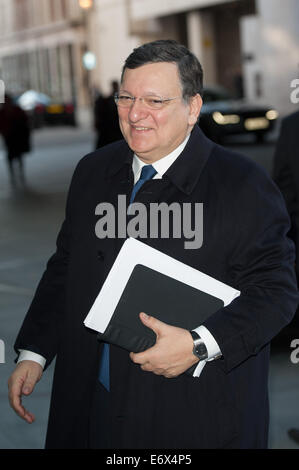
(168, 50)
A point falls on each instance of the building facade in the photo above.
(270, 48)
(210, 28)
(41, 48)
(250, 47)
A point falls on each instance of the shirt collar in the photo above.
(162, 165)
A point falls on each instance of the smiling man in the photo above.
(105, 397)
(159, 120)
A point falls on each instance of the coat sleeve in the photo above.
(261, 265)
(40, 331)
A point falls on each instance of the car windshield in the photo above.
(217, 94)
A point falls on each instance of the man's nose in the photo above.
(138, 110)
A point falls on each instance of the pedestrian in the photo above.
(15, 130)
(286, 173)
(106, 118)
(286, 176)
(147, 400)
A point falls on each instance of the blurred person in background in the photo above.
(106, 118)
(286, 176)
(15, 130)
(286, 173)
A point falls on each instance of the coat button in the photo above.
(100, 255)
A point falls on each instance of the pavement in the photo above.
(30, 217)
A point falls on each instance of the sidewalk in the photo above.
(284, 389)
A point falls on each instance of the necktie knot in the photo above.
(147, 172)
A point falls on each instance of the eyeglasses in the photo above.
(152, 102)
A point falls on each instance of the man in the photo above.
(15, 129)
(286, 176)
(106, 122)
(150, 402)
(286, 172)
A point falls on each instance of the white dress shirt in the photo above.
(161, 166)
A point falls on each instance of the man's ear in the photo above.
(195, 107)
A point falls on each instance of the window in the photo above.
(64, 8)
(21, 14)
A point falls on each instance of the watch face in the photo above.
(201, 349)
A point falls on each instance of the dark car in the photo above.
(43, 110)
(222, 115)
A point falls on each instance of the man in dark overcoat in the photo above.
(15, 130)
(286, 172)
(149, 401)
(286, 176)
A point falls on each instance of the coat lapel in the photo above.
(185, 172)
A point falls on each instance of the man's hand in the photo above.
(22, 382)
(172, 353)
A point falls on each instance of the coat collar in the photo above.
(122, 157)
(185, 171)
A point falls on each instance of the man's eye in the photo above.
(124, 98)
(155, 101)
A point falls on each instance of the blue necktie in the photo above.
(147, 172)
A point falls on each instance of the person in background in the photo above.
(106, 118)
(286, 176)
(15, 130)
(286, 173)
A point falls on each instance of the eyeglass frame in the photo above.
(142, 98)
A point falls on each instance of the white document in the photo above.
(135, 252)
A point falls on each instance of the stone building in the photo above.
(41, 48)
(70, 48)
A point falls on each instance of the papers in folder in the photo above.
(143, 279)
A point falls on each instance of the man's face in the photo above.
(154, 133)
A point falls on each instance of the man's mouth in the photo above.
(141, 128)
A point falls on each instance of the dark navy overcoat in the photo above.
(244, 245)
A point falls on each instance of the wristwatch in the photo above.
(199, 348)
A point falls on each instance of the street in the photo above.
(30, 219)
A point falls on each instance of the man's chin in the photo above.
(145, 157)
(145, 154)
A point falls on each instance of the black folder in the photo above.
(162, 297)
